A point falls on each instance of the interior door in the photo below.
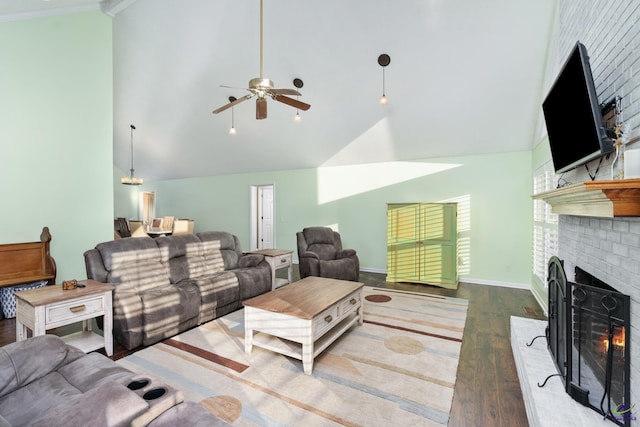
(265, 217)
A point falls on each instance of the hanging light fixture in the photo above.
(383, 60)
(298, 83)
(131, 179)
(232, 131)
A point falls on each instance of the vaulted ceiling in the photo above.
(465, 78)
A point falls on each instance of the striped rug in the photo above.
(399, 368)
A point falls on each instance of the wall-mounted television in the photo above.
(573, 115)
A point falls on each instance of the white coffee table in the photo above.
(302, 319)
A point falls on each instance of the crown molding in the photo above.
(48, 12)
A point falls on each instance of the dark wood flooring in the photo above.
(487, 390)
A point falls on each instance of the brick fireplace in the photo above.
(609, 249)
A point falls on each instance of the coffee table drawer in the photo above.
(325, 321)
(349, 304)
(74, 309)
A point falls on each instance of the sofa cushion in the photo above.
(168, 310)
(39, 396)
(134, 261)
(217, 290)
(184, 254)
(25, 361)
(221, 251)
(93, 370)
(342, 269)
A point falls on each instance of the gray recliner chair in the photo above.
(320, 254)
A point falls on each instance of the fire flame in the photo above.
(619, 338)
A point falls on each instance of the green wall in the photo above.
(494, 193)
(56, 134)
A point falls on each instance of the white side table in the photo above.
(277, 259)
(51, 307)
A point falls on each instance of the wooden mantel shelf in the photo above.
(610, 199)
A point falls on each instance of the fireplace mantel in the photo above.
(609, 199)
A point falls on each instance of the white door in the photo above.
(265, 217)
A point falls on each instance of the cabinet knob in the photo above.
(328, 319)
(352, 301)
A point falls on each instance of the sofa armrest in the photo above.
(250, 260)
(346, 253)
(308, 254)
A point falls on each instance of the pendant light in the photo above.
(298, 83)
(131, 179)
(232, 131)
(383, 61)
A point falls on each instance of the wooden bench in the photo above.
(27, 262)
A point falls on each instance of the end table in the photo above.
(277, 259)
(51, 307)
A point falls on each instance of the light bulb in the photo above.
(383, 100)
(298, 117)
(232, 131)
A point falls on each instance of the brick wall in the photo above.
(611, 33)
(607, 248)
(610, 250)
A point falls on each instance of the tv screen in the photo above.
(573, 115)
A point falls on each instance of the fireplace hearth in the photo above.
(587, 338)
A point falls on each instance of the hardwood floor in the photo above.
(487, 390)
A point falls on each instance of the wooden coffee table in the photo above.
(303, 318)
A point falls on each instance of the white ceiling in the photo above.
(466, 77)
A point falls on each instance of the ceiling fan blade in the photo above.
(261, 108)
(292, 102)
(231, 104)
(285, 92)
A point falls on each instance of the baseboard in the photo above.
(495, 283)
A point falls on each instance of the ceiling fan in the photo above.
(263, 88)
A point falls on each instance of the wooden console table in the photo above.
(51, 307)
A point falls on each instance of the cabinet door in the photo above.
(422, 243)
(403, 255)
(438, 244)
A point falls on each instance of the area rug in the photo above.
(398, 368)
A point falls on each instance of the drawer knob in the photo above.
(283, 260)
(328, 319)
(77, 308)
(352, 301)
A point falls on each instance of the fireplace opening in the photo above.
(587, 337)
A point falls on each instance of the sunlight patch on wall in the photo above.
(464, 231)
(338, 182)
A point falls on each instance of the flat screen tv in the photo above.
(573, 115)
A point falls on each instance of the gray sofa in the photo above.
(45, 382)
(172, 283)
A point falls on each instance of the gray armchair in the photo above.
(320, 254)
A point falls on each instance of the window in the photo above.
(545, 225)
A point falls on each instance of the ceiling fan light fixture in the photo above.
(232, 131)
(383, 61)
(298, 83)
(131, 179)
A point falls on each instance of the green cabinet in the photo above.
(422, 243)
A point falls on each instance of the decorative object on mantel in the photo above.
(131, 179)
(605, 198)
(262, 88)
(232, 131)
(383, 61)
(621, 132)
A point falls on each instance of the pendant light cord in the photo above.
(132, 128)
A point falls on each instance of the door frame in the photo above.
(254, 192)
